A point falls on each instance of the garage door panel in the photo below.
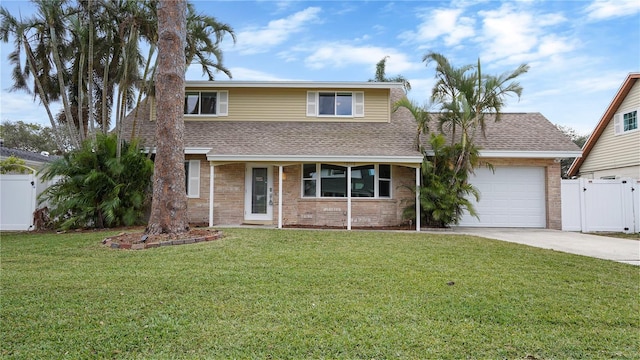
(509, 197)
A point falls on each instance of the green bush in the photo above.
(96, 188)
(445, 192)
(12, 164)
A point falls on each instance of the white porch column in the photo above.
(349, 197)
(211, 180)
(418, 199)
(280, 197)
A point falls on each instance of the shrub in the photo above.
(96, 188)
(445, 192)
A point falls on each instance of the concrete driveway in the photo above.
(602, 247)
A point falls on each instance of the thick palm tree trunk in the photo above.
(90, 120)
(73, 134)
(169, 204)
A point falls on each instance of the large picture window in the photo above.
(212, 103)
(326, 180)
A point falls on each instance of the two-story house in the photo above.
(335, 154)
(613, 149)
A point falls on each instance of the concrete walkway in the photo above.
(602, 247)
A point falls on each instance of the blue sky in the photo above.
(579, 51)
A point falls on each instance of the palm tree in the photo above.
(87, 54)
(169, 204)
(200, 31)
(466, 97)
(96, 191)
(419, 114)
(51, 13)
(44, 84)
(381, 76)
(204, 35)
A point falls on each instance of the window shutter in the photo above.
(311, 103)
(617, 124)
(223, 103)
(194, 179)
(152, 108)
(358, 104)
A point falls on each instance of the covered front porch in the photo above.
(311, 191)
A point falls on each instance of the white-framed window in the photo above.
(209, 103)
(192, 178)
(328, 180)
(335, 103)
(624, 122)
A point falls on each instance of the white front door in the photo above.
(258, 204)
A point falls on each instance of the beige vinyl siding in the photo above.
(283, 104)
(616, 151)
(623, 172)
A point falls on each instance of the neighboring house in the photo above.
(33, 160)
(613, 149)
(283, 153)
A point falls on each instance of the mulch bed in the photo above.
(141, 241)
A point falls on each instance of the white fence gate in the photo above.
(17, 201)
(590, 205)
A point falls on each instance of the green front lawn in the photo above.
(291, 294)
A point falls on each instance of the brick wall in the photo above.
(229, 193)
(333, 211)
(230, 188)
(198, 208)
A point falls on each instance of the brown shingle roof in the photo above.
(515, 132)
(521, 132)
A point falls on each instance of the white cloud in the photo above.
(420, 90)
(21, 107)
(609, 81)
(513, 36)
(506, 32)
(259, 40)
(240, 73)
(342, 55)
(447, 23)
(606, 9)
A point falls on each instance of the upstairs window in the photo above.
(335, 103)
(630, 121)
(625, 122)
(210, 103)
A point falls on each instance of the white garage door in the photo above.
(509, 197)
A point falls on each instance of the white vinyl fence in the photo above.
(17, 201)
(591, 205)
